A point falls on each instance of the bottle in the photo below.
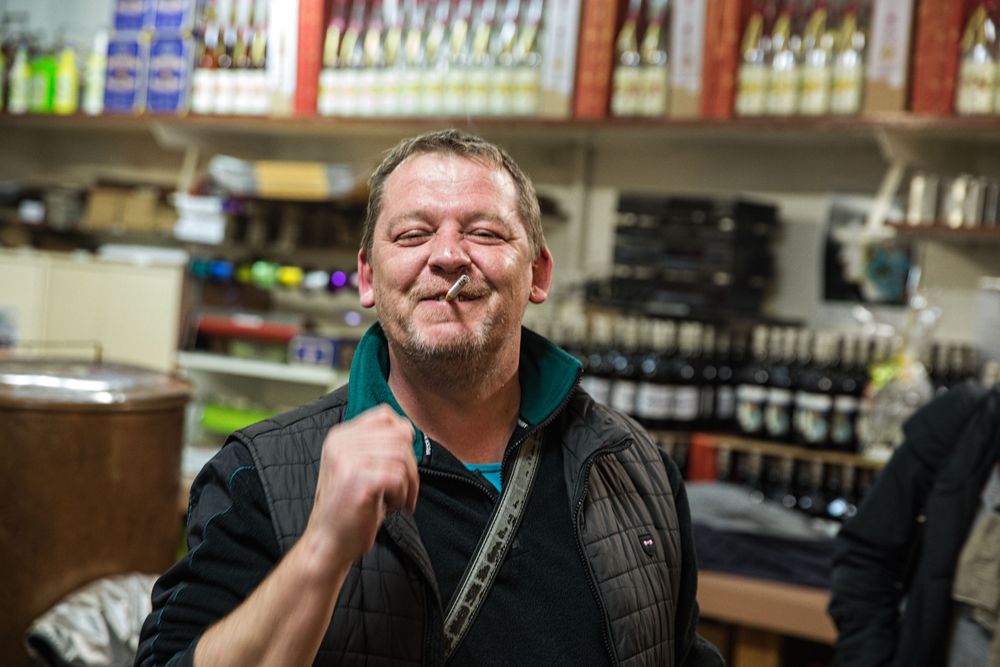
(242, 76)
(527, 70)
(436, 58)
(459, 55)
(811, 499)
(352, 60)
(597, 381)
(708, 372)
(43, 82)
(848, 63)
(817, 63)
(481, 61)
(225, 72)
(847, 390)
(626, 84)
(66, 97)
(412, 58)
(330, 81)
(976, 87)
(19, 99)
(260, 96)
(752, 83)
(724, 464)
(684, 377)
(654, 402)
(370, 78)
(654, 68)
(724, 411)
(502, 49)
(624, 358)
(785, 73)
(751, 391)
(390, 98)
(204, 88)
(814, 403)
(93, 75)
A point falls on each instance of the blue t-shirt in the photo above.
(491, 471)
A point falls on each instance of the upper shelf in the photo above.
(184, 130)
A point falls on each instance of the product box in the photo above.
(175, 15)
(559, 41)
(889, 56)
(725, 21)
(171, 62)
(132, 15)
(596, 58)
(936, 53)
(125, 76)
(687, 43)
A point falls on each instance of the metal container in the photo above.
(90, 458)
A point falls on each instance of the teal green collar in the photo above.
(547, 375)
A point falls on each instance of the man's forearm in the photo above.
(282, 623)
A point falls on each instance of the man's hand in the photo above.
(367, 469)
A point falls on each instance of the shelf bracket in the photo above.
(889, 146)
(189, 168)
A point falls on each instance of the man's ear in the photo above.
(366, 288)
(541, 276)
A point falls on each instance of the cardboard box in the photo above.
(138, 213)
(687, 45)
(889, 56)
(935, 62)
(171, 63)
(104, 208)
(175, 15)
(132, 15)
(310, 56)
(561, 23)
(725, 21)
(125, 76)
(595, 62)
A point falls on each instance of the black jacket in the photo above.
(902, 546)
(625, 513)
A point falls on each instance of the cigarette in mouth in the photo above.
(456, 288)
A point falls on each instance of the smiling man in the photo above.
(462, 499)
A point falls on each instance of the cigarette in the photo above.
(456, 288)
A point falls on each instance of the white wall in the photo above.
(78, 20)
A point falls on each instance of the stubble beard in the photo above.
(471, 359)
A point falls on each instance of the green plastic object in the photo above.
(224, 419)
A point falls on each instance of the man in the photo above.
(339, 532)
(917, 567)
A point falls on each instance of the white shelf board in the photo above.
(264, 370)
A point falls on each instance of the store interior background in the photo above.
(798, 167)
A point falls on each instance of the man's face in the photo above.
(445, 216)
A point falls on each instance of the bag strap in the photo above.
(493, 545)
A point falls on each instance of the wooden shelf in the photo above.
(262, 370)
(942, 232)
(768, 448)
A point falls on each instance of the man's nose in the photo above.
(448, 252)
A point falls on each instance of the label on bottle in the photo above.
(67, 92)
(816, 82)
(368, 91)
(261, 93)
(783, 94)
(326, 103)
(751, 94)
(42, 86)
(845, 414)
(225, 91)
(725, 403)
(203, 91)
(654, 401)
(626, 88)
(527, 90)
(976, 87)
(812, 418)
(433, 89)
(623, 396)
(478, 91)
(598, 388)
(409, 97)
(750, 402)
(777, 420)
(501, 91)
(686, 404)
(350, 92)
(654, 86)
(848, 81)
(455, 85)
(391, 88)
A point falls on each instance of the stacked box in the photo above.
(692, 257)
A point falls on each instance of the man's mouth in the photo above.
(460, 297)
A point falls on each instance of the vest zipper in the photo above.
(493, 495)
(578, 515)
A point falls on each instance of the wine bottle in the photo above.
(684, 377)
(846, 401)
(811, 498)
(814, 402)
(626, 82)
(413, 58)
(817, 64)
(527, 70)
(785, 73)
(370, 78)
(330, 78)
(726, 360)
(848, 63)
(436, 60)
(654, 68)
(481, 62)
(708, 372)
(655, 395)
(597, 381)
(389, 88)
(501, 92)
(778, 410)
(204, 80)
(976, 88)
(751, 392)
(625, 371)
(752, 83)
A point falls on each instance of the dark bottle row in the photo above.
(819, 489)
(785, 384)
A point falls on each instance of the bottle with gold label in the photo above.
(390, 88)
(352, 58)
(527, 71)
(786, 70)
(817, 63)
(481, 62)
(752, 81)
(330, 79)
(977, 73)
(411, 60)
(436, 56)
(501, 88)
(370, 80)
(66, 97)
(459, 54)
(654, 84)
(848, 62)
(626, 84)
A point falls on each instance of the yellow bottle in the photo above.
(67, 93)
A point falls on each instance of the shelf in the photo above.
(942, 232)
(180, 130)
(263, 370)
(768, 448)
